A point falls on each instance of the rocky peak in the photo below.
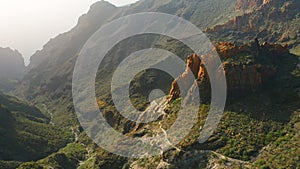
(97, 10)
(193, 65)
(69, 44)
(102, 4)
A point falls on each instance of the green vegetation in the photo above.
(26, 133)
(296, 50)
(67, 158)
(284, 151)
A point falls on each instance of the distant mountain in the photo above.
(203, 13)
(12, 68)
(56, 60)
(66, 45)
(224, 20)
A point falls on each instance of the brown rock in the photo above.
(248, 4)
(240, 76)
(193, 66)
(226, 49)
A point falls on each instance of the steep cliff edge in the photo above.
(247, 67)
(271, 20)
(248, 4)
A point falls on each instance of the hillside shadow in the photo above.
(278, 98)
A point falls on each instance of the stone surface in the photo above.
(241, 75)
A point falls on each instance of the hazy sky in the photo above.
(26, 25)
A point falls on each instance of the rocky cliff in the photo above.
(248, 4)
(247, 67)
(273, 21)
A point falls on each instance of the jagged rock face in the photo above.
(12, 64)
(227, 49)
(274, 21)
(195, 66)
(247, 77)
(241, 76)
(248, 4)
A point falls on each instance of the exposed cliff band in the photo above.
(247, 67)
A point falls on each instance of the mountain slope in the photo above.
(26, 133)
(272, 21)
(50, 73)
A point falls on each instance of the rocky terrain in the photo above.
(272, 21)
(247, 67)
(261, 118)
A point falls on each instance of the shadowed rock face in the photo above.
(250, 4)
(241, 74)
(11, 65)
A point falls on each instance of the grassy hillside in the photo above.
(26, 133)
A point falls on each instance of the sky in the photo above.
(27, 25)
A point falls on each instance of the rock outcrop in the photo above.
(247, 67)
(193, 66)
(248, 4)
(271, 20)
